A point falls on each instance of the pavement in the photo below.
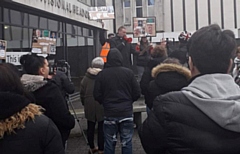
(77, 144)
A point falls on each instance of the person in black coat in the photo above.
(102, 37)
(116, 88)
(202, 118)
(169, 76)
(23, 127)
(46, 93)
(158, 55)
(126, 48)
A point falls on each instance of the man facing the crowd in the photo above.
(203, 117)
(116, 88)
(124, 46)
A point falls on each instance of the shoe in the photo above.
(92, 151)
(100, 152)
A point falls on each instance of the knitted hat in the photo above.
(11, 103)
(97, 62)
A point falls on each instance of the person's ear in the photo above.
(230, 66)
(41, 71)
(190, 63)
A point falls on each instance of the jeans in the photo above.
(90, 134)
(140, 70)
(112, 126)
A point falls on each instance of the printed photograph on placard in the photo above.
(145, 26)
(44, 42)
(3, 49)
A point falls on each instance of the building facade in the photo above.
(77, 37)
(175, 16)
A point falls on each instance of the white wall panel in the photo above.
(203, 13)
(167, 16)
(178, 15)
(228, 8)
(216, 12)
(190, 15)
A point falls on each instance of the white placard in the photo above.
(14, 57)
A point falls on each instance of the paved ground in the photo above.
(78, 145)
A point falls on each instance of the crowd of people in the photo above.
(192, 98)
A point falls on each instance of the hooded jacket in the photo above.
(116, 87)
(48, 95)
(203, 118)
(92, 109)
(167, 78)
(27, 130)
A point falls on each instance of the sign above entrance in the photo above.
(71, 9)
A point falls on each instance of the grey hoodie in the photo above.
(218, 96)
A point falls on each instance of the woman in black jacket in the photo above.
(46, 93)
(23, 127)
(158, 55)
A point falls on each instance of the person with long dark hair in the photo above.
(23, 127)
(46, 93)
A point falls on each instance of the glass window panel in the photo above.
(25, 19)
(52, 25)
(138, 2)
(139, 12)
(81, 41)
(33, 21)
(60, 40)
(151, 2)
(25, 38)
(43, 23)
(6, 16)
(72, 41)
(85, 32)
(90, 41)
(127, 3)
(150, 11)
(16, 17)
(128, 16)
(60, 29)
(7, 35)
(15, 33)
(79, 30)
(69, 28)
(90, 33)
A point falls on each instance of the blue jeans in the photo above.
(112, 126)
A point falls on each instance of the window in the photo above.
(139, 12)
(150, 7)
(127, 12)
(150, 2)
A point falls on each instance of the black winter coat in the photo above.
(142, 60)
(126, 49)
(176, 126)
(48, 95)
(147, 77)
(167, 78)
(116, 87)
(39, 136)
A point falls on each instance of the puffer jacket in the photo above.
(48, 95)
(92, 109)
(202, 118)
(28, 131)
(167, 78)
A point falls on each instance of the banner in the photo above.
(14, 57)
(103, 13)
(144, 26)
(3, 49)
(44, 42)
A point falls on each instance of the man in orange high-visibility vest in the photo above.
(105, 44)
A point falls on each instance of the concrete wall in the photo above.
(174, 16)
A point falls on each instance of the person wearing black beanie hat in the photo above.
(23, 127)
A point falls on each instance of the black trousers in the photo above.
(90, 134)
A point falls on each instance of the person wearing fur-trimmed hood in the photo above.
(23, 127)
(168, 76)
(92, 109)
